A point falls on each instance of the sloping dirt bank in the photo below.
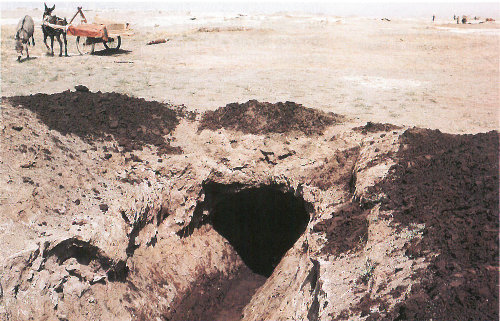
(267, 217)
(449, 184)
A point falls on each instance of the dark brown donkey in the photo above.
(54, 32)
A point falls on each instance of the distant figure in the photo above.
(433, 17)
(464, 20)
(25, 29)
(454, 17)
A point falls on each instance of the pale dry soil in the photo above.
(404, 72)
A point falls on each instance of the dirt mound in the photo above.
(133, 122)
(371, 127)
(254, 117)
(450, 184)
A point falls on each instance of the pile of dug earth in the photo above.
(118, 208)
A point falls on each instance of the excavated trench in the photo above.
(439, 199)
(261, 224)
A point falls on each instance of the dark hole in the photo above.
(260, 223)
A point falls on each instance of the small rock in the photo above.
(28, 180)
(82, 88)
(287, 154)
(107, 156)
(18, 128)
(62, 317)
(104, 207)
(75, 287)
(78, 222)
(71, 264)
(135, 158)
(113, 124)
(98, 279)
(28, 165)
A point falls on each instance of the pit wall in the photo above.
(335, 268)
(164, 268)
(180, 266)
(150, 251)
(306, 269)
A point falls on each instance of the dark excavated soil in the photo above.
(346, 231)
(254, 117)
(449, 183)
(371, 127)
(133, 122)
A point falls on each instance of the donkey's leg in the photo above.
(27, 52)
(51, 45)
(65, 44)
(60, 44)
(33, 39)
(45, 35)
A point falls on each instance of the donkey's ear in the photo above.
(53, 7)
(45, 6)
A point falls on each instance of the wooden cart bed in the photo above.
(93, 30)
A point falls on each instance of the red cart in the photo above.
(90, 34)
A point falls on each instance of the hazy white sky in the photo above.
(284, 1)
(368, 8)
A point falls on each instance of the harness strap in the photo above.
(53, 26)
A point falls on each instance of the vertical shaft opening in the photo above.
(262, 224)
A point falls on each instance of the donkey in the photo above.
(53, 32)
(25, 29)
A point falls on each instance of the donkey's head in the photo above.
(19, 49)
(48, 11)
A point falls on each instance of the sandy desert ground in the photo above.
(407, 72)
(183, 196)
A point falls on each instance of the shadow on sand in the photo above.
(26, 59)
(111, 52)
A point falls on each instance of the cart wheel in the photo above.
(84, 46)
(113, 44)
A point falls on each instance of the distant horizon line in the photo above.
(411, 9)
